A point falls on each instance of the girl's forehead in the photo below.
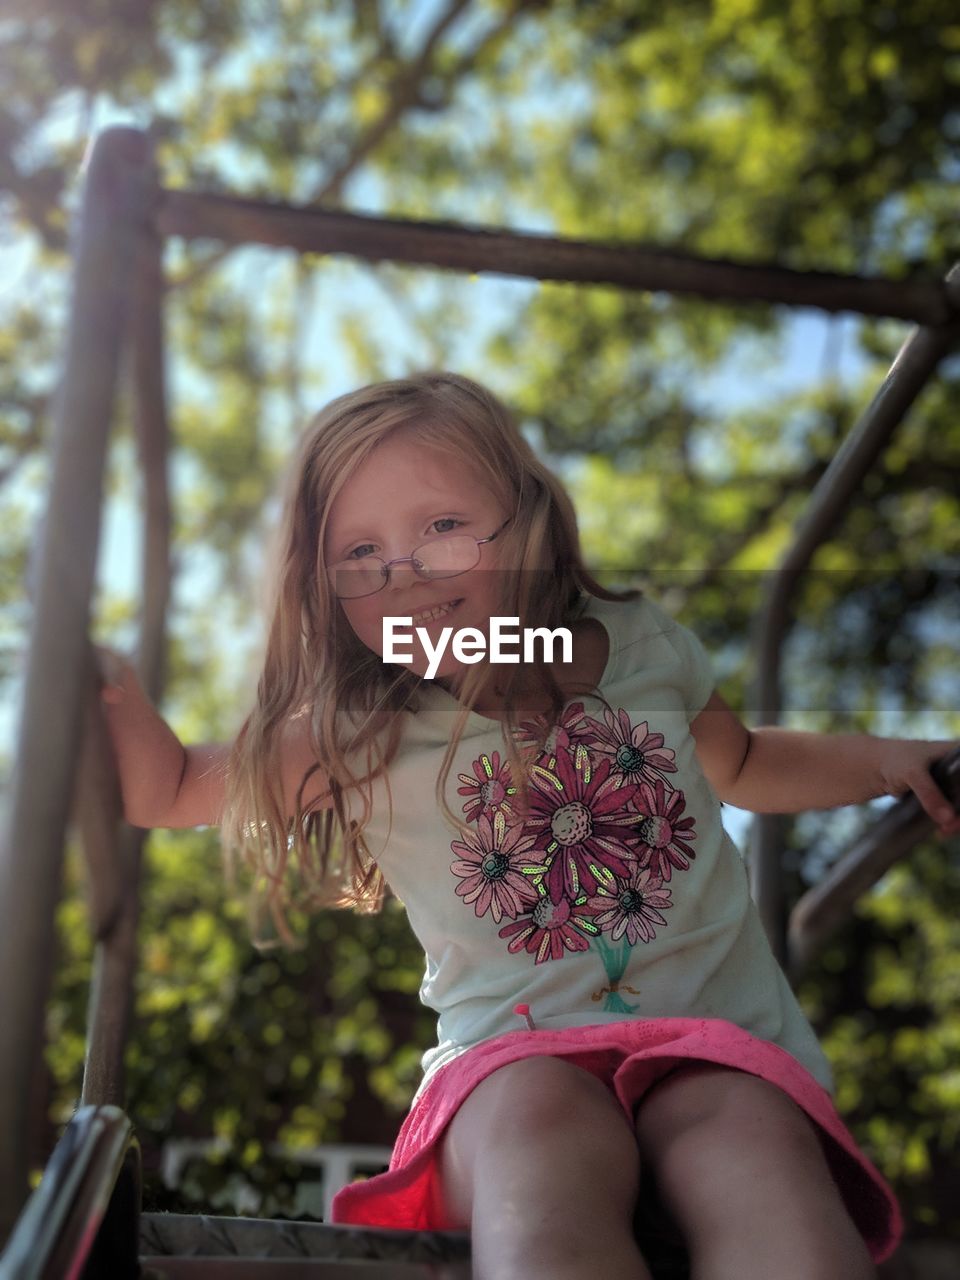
(405, 449)
(419, 487)
(411, 469)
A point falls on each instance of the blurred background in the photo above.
(819, 136)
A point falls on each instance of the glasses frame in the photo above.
(387, 565)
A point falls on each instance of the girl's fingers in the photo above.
(943, 813)
(909, 769)
(112, 670)
(932, 800)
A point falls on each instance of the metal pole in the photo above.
(31, 853)
(198, 215)
(915, 364)
(115, 958)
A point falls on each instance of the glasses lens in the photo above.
(442, 559)
(352, 579)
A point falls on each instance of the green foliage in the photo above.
(896, 1058)
(247, 1047)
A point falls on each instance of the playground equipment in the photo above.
(85, 1219)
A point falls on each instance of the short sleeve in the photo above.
(696, 679)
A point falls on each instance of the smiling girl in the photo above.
(617, 1045)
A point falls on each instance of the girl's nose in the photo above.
(401, 572)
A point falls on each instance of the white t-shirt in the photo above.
(621, 896)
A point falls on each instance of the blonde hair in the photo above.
(315, 666)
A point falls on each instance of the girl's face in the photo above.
(405, 495)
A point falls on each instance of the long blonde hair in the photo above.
(315, 666)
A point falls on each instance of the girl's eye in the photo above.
(446, 520)
(359, 552)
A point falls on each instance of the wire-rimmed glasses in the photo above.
(443, 557)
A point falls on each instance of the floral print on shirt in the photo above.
(592, 864)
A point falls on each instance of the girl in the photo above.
(617, 1046)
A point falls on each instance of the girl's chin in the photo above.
(448, 674)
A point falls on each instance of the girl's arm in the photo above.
(777, 770)
(167, 784)
(164, 783)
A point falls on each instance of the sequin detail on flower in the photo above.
(636, 752)
(490, 791)
(495, 868)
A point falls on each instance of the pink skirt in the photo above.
(630, 1057)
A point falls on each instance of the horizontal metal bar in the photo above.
(269, 1269)
(196, 215)
(212, 1236)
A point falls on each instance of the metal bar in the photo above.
(115, 959)
(49, 733)
(203, 1235)
(91, 1180)
(914, 365)
(825, 907)
(152, 426)
(294, 1268)
(97, 807)
(199, 216)
(111, 985)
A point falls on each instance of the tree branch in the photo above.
(405, 94)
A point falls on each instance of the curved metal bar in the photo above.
(825, 907)
(911, 370)
(83, 1217)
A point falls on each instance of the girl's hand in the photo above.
(117, 674)
(906, 767)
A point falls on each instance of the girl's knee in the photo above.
(541, 1093)
(544, 1125)
(710, 1098)
(706, 1134)
(736, 1159)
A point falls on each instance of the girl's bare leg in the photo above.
(740, 1167)
(540, 1164)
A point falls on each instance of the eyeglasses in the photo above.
(444, 557)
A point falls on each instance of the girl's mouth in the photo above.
(437, 611)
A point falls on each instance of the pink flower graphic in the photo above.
(574, 726)
(663, 833)
(632, 906)
(550, 930)
(490, 791)
(495, 868)
(580, 816)
(638, 754)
